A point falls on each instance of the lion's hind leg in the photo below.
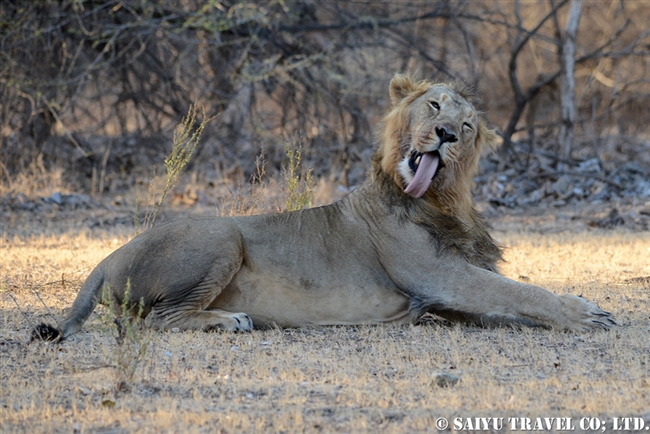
(188, 309)
(206, 320)
(184, 302)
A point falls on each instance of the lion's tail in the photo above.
(88, 297)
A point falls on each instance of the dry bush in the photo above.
(95, 87)
(612, 59)
(34, 181)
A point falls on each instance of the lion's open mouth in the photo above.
(424, 168)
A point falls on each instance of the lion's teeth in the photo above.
(417, 160)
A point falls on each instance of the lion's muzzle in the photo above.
(446, 135)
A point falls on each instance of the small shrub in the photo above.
(299, 183)
(185, 142)
(132, 345)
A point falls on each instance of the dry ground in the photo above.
(332, 379)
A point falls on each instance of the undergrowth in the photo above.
(299, 182)
(123, 321)
(184, 144)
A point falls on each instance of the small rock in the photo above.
(591, 165)
(57, 198)
(76, 200)
(558, 203)
(443, 379)
(561, 186)
(175, 330)
(644, 189)
(578, 192)
(599, 191)
(84, 390)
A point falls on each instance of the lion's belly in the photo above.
(271, 300)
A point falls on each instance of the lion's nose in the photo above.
(445, 135)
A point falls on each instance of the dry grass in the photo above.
(333, 379)
(33, 181)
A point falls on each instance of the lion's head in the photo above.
(431, 141)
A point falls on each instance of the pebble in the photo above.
(443, 379)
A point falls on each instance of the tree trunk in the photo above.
(568, 83)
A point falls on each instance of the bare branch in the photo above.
(567, 88)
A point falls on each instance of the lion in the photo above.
(407, 242)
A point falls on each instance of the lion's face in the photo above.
(442, 132)
(432, 139)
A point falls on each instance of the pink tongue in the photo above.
(425, 171)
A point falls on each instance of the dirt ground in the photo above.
(328, 379)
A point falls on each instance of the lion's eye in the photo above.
(467, 127)
(434, 105)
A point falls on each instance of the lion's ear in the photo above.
(400, 87)
(486, 138)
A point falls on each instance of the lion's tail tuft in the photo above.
(46, 332)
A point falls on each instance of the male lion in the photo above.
(408, 241)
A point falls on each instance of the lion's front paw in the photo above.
(580, 315)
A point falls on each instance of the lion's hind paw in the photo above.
(244, 322)
(231, 321)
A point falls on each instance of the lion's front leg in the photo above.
(487, 297)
